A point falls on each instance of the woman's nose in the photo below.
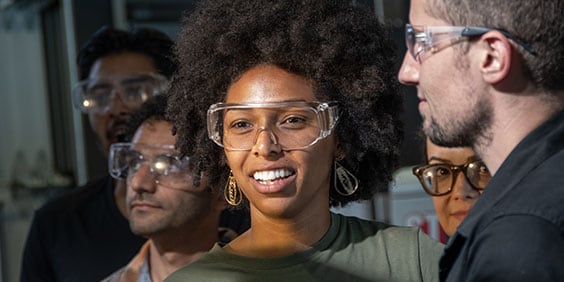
(266, 143)
(462, 189)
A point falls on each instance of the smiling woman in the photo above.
(277, 179)
(304, 106)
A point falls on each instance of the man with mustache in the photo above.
(84, 235)
(168, 200)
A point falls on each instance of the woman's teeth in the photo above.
(271, 175)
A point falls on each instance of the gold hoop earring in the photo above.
(345, 182)
(232, 193)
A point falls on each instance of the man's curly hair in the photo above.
(339, 46)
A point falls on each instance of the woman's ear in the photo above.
(339, 153)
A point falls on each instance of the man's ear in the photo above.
(496, 63)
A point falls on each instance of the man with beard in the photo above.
(168, 200)
(84, 235)
(489, 75)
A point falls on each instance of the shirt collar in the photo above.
(527, 155)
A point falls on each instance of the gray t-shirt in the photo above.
(352, 250)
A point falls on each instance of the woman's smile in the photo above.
(272, 176)
(273, 181)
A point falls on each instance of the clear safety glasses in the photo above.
(292, 125)
(96, 95)
(438, 179)
(165, 164)
(432, 39)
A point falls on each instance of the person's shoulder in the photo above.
(412, 255)
(372, 226)
(356, 222)
(75, 199)
(215, 261)
(539, 194)
(406, 236)
(528, 237)
(214, 255)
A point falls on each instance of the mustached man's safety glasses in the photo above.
(97, 95)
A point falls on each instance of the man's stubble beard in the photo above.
(195, 210)
(471, 131)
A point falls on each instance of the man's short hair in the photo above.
(109, 41)
(538, 23)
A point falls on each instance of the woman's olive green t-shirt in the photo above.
(352, 250)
